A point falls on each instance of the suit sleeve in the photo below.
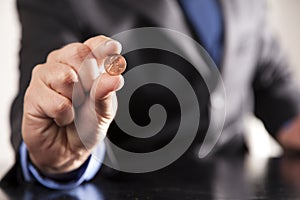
(64, 181)
(277, 96)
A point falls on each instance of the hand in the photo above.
(289, 136)
(48, 127)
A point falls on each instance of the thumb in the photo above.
(95, 115)
(102, 94)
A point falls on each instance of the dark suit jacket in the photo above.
(256, 75)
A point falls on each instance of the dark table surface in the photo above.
(240, 177)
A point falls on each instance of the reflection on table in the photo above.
(240, 177)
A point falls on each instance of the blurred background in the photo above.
(284, 17)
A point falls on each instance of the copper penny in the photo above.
(115, 64)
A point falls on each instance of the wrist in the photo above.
(64, 165)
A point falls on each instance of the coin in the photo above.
(115, 64)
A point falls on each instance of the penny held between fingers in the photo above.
(115, 64)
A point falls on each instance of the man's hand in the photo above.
(64, 90)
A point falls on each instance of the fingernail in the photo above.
(120, 85)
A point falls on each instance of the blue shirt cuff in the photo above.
(30, 173)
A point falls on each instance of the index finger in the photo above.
(102, 47)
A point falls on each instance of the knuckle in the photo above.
(36, 71)
(51, 56)
(63, 107)
(67, 76)
(81, 51)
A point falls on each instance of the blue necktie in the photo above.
(206, 18)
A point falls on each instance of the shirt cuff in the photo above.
(30, 173)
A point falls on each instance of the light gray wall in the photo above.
(9, 39)
(285, 18)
